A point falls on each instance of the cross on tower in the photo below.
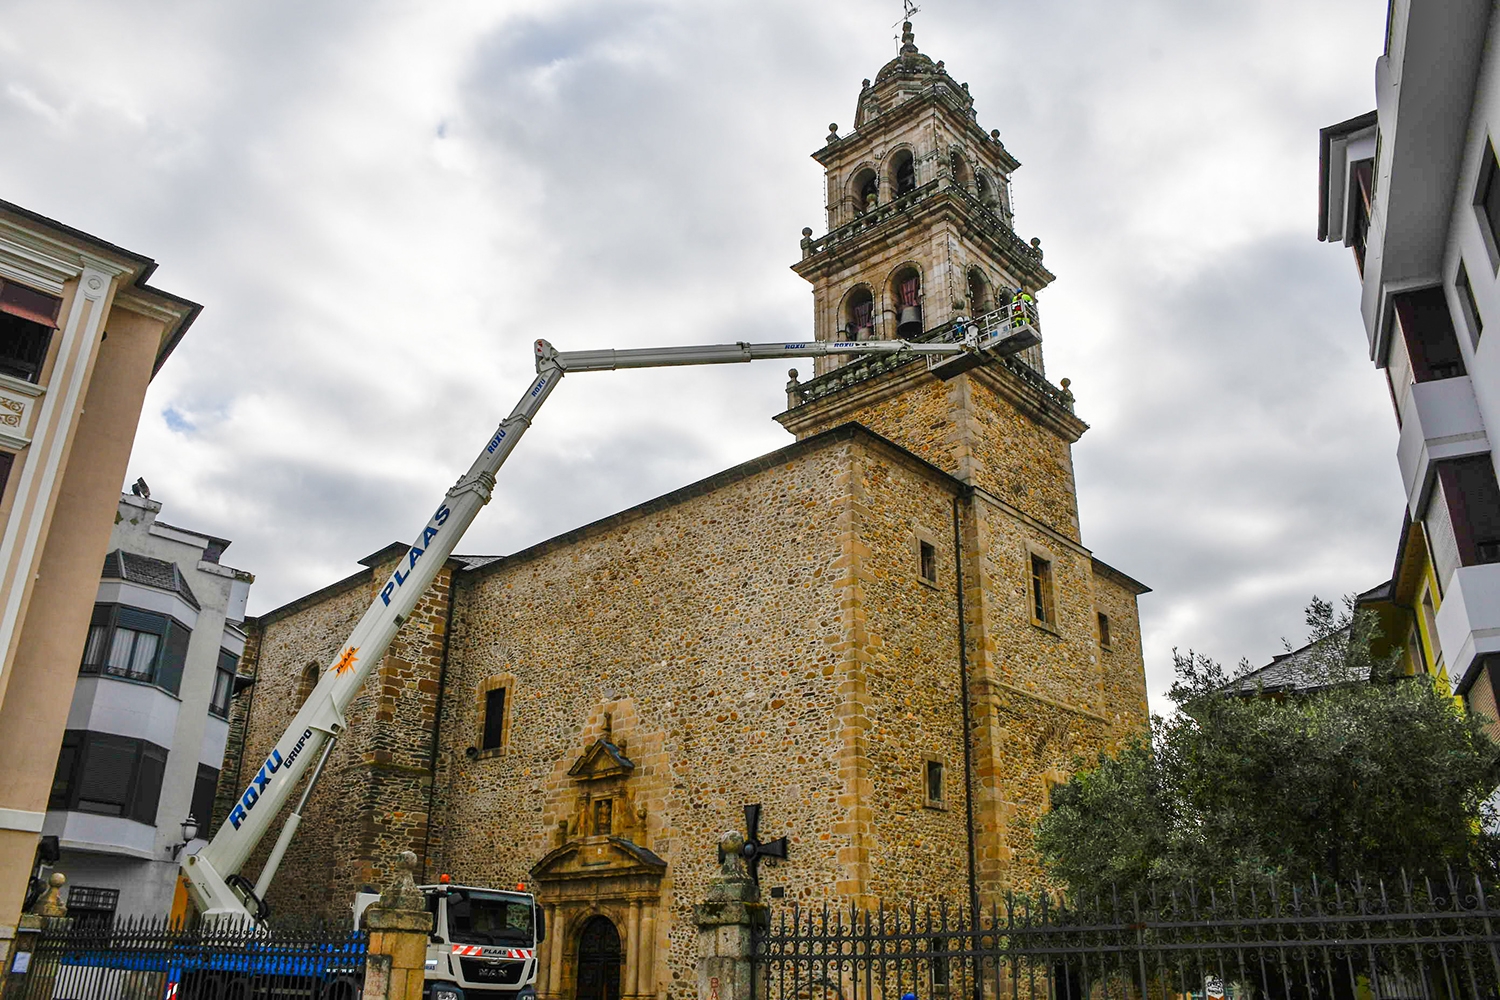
(909, 7)
(754, 849)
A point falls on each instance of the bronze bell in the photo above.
(910, 323)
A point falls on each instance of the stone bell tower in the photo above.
(919, 236)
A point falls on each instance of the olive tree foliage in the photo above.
(1359, 771)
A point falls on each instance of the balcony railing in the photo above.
(986, 217)
(1023, 366)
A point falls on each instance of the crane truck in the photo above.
(218, 891)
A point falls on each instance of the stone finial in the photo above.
(833, 131)
(1067, 393)
(807, 232)
(864, 84)
(51, 904)
(908, 38)
(402, 893)
(731, 854)
(995, 134)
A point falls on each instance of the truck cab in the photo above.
(483, 944)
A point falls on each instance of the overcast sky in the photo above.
(381, 204)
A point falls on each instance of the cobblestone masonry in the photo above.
(765, 635)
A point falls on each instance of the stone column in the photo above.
(554, 950)
(648, 950)
(725, 920)
(49, 913)
(633, 950)
(399, 927)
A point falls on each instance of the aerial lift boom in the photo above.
(217, 888)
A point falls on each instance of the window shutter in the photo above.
(169, 673)
(148, 784)
(143, 621)
(108, 765)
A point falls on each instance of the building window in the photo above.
(223, 684)
(1104, 630)
(27, 319)
(1466, 297)
(92, 908)
(1469, 492)
(205, 787)
(108, 775)
(934, 782)
(927, 561)
(1487, 200)
(1361, 205)
(494, 719)
(1426, 326)
(136, 645)
(7, 460)
(1431, 655)
(1042, 612)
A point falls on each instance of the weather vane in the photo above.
(909, 8)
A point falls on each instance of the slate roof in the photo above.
(148, 572)
(1304, 669)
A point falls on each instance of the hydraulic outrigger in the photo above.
(217, 888)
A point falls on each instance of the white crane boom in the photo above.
(217, 889)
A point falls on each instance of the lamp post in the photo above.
(189, 834)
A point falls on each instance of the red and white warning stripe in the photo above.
(519, 952)
(467, 949)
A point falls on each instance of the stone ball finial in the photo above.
(1065, 383)
(1036, 241)
(864, 84)
(792, 374)
(51, 904)
(731, 842)
(407, 861)
(807, 231)
(995, 134)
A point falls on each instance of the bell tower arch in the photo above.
(920, 240)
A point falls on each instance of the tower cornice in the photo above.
(934, 201)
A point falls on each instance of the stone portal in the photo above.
(598, 960)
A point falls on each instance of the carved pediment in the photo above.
(601, 760)
(598, 857)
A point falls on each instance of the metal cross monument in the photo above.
(754, 848)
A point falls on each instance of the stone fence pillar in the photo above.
(726, 919)
(399, 928)
(49, 913)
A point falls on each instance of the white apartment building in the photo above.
(1414, 189)
(149, 721)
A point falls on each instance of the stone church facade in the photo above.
(876, 632)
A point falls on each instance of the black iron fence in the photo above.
(157, 960)
(1411, 939)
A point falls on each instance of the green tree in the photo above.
(1355, 771)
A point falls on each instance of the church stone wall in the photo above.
(371, 802)
(710, 633)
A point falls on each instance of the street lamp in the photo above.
(189, 834)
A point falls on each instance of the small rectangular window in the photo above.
(1426, 326)
(928, 554)
(1104, 630)
(1041, 591)
(204, 789)
(939, 962)
(1472, 496)
(934, 781)
(1466, 297)
(494, 719)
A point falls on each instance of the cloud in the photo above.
(381, 205)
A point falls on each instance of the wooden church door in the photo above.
(599, 961)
